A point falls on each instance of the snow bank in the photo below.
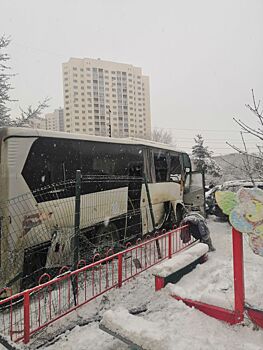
(144, 333)
(180, 260)
(187, 328)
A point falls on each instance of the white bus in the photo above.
(126, 179)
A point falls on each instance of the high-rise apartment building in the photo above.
(102, 97)
(55, 120)
(37, 123)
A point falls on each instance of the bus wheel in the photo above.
(107, 237)
(179, 214)
(169, 218)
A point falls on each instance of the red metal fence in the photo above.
(25, 313)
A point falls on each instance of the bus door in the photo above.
(194, 191)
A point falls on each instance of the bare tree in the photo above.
(30, 113)
(252, 162)
(5, 85)
(162, 135)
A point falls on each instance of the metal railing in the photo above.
(25, 313)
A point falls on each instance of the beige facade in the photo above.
(55, 120)
(100, 96)
(37, 123)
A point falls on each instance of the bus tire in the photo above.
(170, 216)
(179, 214)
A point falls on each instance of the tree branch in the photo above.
(247, 165)
(249, 129)
(30, 113)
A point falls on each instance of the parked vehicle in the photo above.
(210, 201)
(233, 186)
(133, 187)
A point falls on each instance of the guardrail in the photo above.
(25, 313)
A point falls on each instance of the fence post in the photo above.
(120, 270)
(77, 218)
(170, 245)
(76, 234)
(26, 317)
(151, 214)
(239, 290)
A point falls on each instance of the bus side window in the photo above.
(135, 170)
(175, 168)
(161, 167)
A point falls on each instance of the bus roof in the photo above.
(8, 132)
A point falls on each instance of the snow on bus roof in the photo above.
(29, 132)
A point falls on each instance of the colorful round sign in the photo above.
(245, 211)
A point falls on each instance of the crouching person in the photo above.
(197, 228)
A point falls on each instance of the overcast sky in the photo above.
(203, 57)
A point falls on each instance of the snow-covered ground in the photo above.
(185, 328)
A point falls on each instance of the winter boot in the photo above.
(208, 241)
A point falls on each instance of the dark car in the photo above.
(233, 186)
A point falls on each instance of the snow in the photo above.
(177, 262)
(146, 334)
(235, 184)
(188, 328)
